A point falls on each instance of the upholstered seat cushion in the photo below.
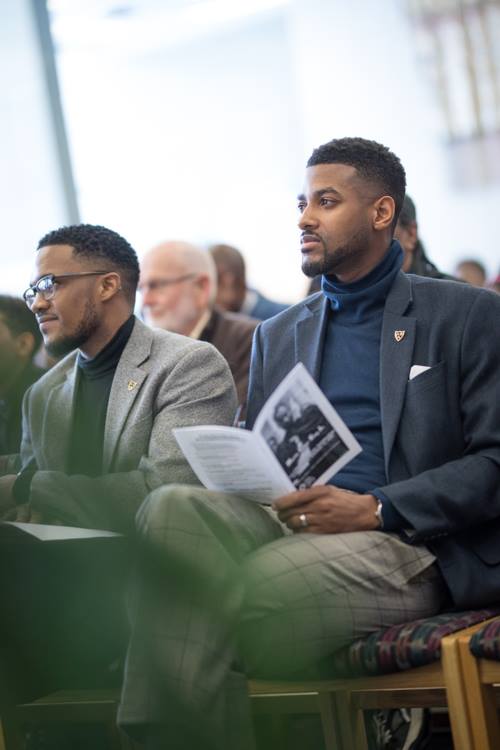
(400, 647)
(485, 644)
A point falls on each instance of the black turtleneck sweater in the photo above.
(94, 380)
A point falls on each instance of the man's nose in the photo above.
(307, 218)
(146, 295)
(39, 303)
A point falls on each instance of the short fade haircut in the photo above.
(372, 161)
(19, 319)
(94, 242)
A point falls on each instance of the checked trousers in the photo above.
(223, 592)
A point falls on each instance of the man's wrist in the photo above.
(374, 515)
(378, 513)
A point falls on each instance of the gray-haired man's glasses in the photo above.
(152, 286)
(46, 285)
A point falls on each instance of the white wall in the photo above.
(198, 142)
(31, 193)
(205, 136)
(357, 74)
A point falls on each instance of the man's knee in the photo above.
(167, 507)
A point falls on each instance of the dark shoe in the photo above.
(399, 729)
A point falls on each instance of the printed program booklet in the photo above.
(298, 440)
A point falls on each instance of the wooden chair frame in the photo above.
(65, 706)
(482, 680)
(339, 702)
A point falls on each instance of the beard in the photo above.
(339, 259)
(182, 319)
(86, 327)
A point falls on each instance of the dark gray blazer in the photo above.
(441, 430)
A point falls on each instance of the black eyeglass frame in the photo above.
(48, 294)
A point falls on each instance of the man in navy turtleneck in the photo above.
(409, 527)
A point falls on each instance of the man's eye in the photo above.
(301, 206)
(327, 202)
(44, 284)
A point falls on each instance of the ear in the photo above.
(384, 213)
(110, 285)
(203, 285)
(25, 345)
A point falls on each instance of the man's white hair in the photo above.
(191, 259)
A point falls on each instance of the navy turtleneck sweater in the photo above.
(350, 371)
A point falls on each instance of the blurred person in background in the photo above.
(178, 283)
(19, 341)
(415, 258)
(472, 271)
(232, 291)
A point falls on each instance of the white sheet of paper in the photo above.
(47, 532)
(233, 460)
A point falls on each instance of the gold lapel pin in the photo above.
(399, 335)
(131, 385)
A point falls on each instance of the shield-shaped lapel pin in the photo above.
(399, 335)
(131, 385)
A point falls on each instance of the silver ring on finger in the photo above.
(303, 520)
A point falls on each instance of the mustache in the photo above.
(303, 236)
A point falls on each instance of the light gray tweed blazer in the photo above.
(162, 381)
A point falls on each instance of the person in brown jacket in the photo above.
(178, 283)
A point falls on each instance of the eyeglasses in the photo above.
(46, 285)
(152, 286)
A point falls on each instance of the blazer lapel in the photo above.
(127, 382)
(396, 354)
(308, 344)
(58, 419)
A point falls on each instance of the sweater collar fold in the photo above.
(362, 297)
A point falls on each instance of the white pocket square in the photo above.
(417, 370)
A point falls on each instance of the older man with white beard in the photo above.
(178, 283)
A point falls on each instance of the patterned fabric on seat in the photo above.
(485, 644)
(401, 647)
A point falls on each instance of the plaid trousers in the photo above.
(224, 592)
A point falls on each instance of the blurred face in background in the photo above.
(14, 350)
(472, 272)
(407, 236)
(174, 296)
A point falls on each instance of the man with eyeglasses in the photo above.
(97, 438)
(98, 427)
(178, 284)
